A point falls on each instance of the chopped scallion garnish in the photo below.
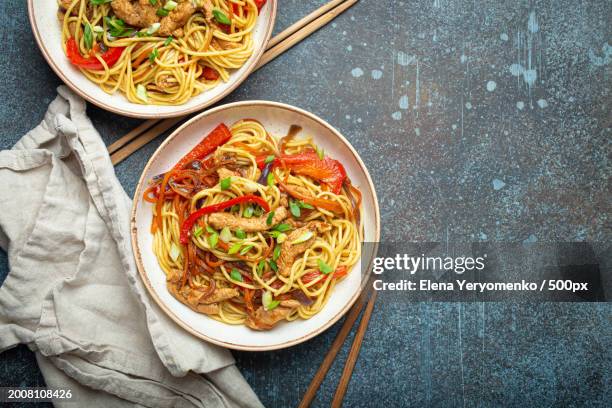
(225, 235)
(240, 234)
(213, 240)
(221, 17)
(141, 93)
(225, 183)
(236, 275)
(270, 218)
(323, 267)
(269, 159)
(295, 209)
(246, 249)
(276, 253)
(168, 41)
(234, 248)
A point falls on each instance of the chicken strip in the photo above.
(290, 251)
(220, 220)
(177, 18)
(197, 296)
(264, 319)
(200, 308)
(137, 13)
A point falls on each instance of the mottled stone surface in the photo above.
(478, 121)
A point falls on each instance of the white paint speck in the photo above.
(349, 48)
(520, 105)
(516, 69)
(503, 37)
(542, 103)
(491, 85)
(344, 33)
(468, 105)
(334, 25)
(352, 18)
(403, 102)
(396, 115)
(358, 120)
(417, 131)
(498, 184)
(347, 117)
(463, 59)
(530, 76)
(454, 126)
(357, 72)
(376, 74)
(530, 239)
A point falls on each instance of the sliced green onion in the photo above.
(260, 267)
(236, 275)
(162, 12)
(282, 227)
(99, 2)
(152, 2)
(273, 265)
(295, 209)
(270, 179)
(269, 159)
(98, 29)
(305, 205)
(198, 232)
(213, 240)
(240, 234)
(303, 238)
(154, 54)
(221, 17)
(267, 301)
(168, 41)
(258, 211)
(88, 36)
(170, 5)
(225, 183)
(248, 212)
(153, 28)
(225, 235)
(175, 251)
(276, 253)
(275, 234)
(323, 267)
(246, 249)
(320, 152)
(234, 248)
(141, 93)
(210, 229)
(281, 238)
(270, 218)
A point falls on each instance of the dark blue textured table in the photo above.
(479, 121)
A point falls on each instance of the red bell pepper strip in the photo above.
(326, 170)
(110, 57)
(191, 220)
(340, 272)
(260, 4)
(219, 136)
(210, 74)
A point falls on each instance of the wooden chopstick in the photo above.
(302, 22)
(303, 33)
(354, 313)
(349, 366)
(152, 128)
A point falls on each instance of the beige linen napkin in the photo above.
(73, 294)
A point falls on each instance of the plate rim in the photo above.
(182, 112)
(134, 229)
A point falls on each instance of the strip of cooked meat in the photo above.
(137, 13)
(141, 13)
(220, 220)
(290, 251)
(201, 308)
(219, 295)
(264, 319)
(177, 18)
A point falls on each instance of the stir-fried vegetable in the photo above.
(219, 136)
(190, 221)
(110, 57)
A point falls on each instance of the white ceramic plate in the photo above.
(276, 118)
(48, 34)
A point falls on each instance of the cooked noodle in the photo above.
(169, 69)
(308, 285)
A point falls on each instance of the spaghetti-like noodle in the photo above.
(254, 231)
(159, 52)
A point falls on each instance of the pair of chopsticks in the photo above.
(349, 365)
(151, 129)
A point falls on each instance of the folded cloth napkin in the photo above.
(73, 294)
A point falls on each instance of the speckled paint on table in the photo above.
(485, 121)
